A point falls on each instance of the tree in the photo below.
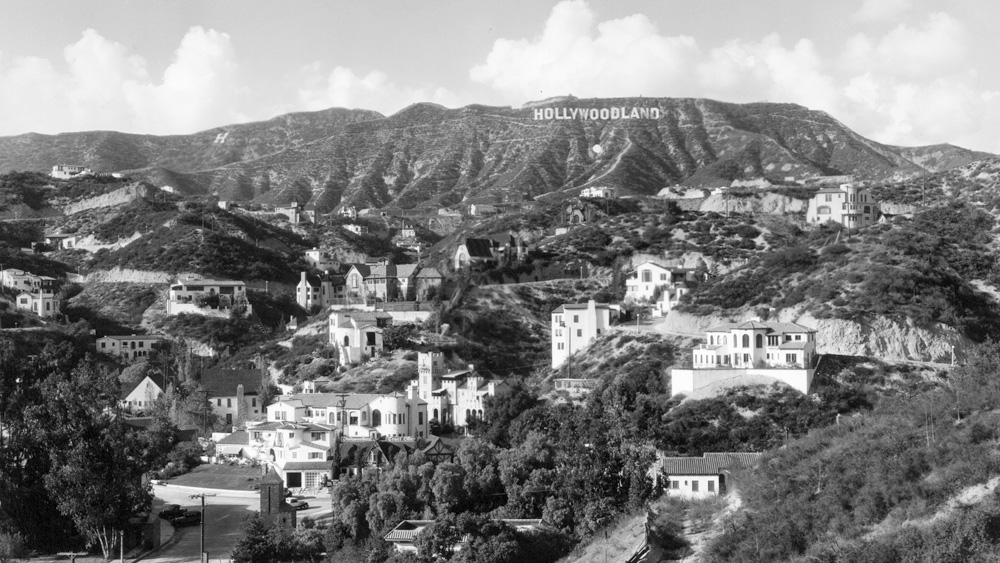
(12, 546)
(501, 409)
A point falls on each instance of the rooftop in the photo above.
(709, 463)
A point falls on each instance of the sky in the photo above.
(901, 72)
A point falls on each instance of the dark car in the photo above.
(189, 518)
(171, 511)
(298, 504)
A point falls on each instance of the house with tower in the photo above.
(453, 396)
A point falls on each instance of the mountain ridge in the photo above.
(430, 155)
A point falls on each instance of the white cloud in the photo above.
(374, 91)
(940, 44)
(622, 57)
(879, 10)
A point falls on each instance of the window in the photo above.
(759, 341)
(675, 484)
(694, 486)
(579, 332)
(772, 340)
(311, 479)
(141, 343)
(218, 402)
(420, 418)
(317, 436)
(791, 358)
(798, 337)
(291, 434)
(253, 401)
(364, 416)
(576, 318)
(104, 344)
(647, 275)
(663, 277)
(711, 486)
(746, 340)
(315, 455)
(828, 198)
(256, 435)
(823, 210)
(229, 402)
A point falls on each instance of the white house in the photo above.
(42, 303)
(20, 280)
(357, 335)
(701, 477)
(642, 283)
(67, 171)
(453, 397)
(140, 395)
(293, 211)
(575, 326)
(223, 387)
(320, 259)
(770, 351)
(128, 347)
(204, 296)
(603, 192)
(356, 228)
(319, 290)
(851, 205)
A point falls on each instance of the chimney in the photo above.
(472, 367)
(303, 277)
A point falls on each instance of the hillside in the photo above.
(427, 155)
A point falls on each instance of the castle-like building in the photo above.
(851, 205)
(453, 397)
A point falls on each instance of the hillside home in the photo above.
(356, 415)
(482, 210)
(203, 296)
(766, 351)
(128, 347)
(427, 283)
(453, 397)
(67, 171)
(355, 456)
(642, 283)
(669, 297)
(19, 280)
(403, 536)
(357, 335)
(42, 303)
(575, 386)
(488, 252)
(223, 387)
(349, 212)
(373, 280)
(701, 477)
(299, 452)
(63, 240)
(851, 205)
(293, 211)
(356, 228)
(603, 192)
(139, 396)
(575, 326)
(319, 290)
(406, 281)
(320, 259)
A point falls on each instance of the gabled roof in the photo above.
(710, 463)
(362, 269)
(479, 247)
(429, 273)
(223, 382)
(157, 379)
(405, 270)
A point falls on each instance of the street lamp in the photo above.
(204, 556)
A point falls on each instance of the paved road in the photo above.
(223, 525)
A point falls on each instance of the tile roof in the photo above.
(580, 307)
(405, 270)
(710, 463)
(239, 438)
(223, 382)
(316, 465)
(780, 327)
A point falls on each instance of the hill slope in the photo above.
(430, 155)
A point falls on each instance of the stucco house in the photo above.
(642, 283)
(576, 325)
(453, 397)
(204, 296)
(769, 350)
(128, 347)
(603, 192)
(701, 477)
(357, 335)
(852, 205)
(319, 290)
(42, 303)
(488, 252)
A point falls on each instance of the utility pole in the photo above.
(204, 556)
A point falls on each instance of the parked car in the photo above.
(189, 518)
(298, 504)
(171, 511)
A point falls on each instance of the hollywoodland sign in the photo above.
(621, 112)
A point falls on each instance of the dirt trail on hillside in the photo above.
(621, 543)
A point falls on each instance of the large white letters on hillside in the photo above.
(595, 113)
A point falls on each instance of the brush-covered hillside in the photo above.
(428, 155)
(923, 269)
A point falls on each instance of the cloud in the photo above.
(342, 87)
(880, 10)
(576, 55)
(938, 45)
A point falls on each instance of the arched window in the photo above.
(467, 415)
(711, 340)
(480, 414)
(746, 340)
(760, 341)
(347, 340)
(364, 416)
(436, 415)
(376, 417)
